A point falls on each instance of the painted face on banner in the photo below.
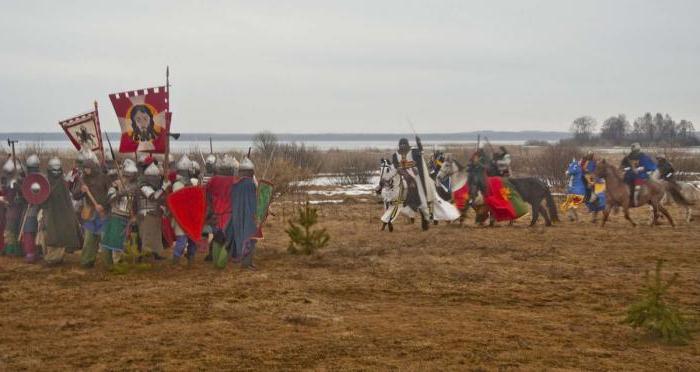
(142, 123)
(142, 120)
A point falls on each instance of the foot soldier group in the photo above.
(101, 206)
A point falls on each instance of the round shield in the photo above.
(35, 188)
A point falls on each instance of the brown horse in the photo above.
(617, 193)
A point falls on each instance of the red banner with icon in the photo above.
(144, 118)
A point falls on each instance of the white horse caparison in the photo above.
(392, 188)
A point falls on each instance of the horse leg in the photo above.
(535, 214)
(654, 216)
(384, 226)
(606, 214)
(543, 212)
(424, 220)
(391, 227)
(594, 219)
(668, 215)
(626, 211)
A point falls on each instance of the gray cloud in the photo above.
(352, 66)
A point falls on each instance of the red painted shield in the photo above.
(188, 207)
(35, 188)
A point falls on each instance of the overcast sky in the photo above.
(352, 66)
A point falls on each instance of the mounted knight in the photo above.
(420, 190)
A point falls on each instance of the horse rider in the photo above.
(588, 163)
(666, 170)
(501, 161)
(420, 193)
(442, 186)
(638, 166)
(478, 166)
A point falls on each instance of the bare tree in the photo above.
(685, 129)
(615, 129)
(644, 127)
(583, 128)
(264, 143)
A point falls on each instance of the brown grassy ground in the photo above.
(454, 298)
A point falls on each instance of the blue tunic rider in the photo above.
(595, 187)
(638, 167)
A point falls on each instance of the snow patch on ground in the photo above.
(352, 190)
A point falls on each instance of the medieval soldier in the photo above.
(15, 206)
(501, 161)
(242, 226)
(209, 168)
(93, 191)
(443, 188)
(666, 170)
(121, 198)
(413, 169)
(196, 173)
(477, 173)
(218, 194)
(59, 224)
(637, 166)
(182, 241)
(3, 209)
(30, 223)
(149, 213)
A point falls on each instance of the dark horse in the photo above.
(531, 189)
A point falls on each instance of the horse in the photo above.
(392, 189)
(531, 189)
(617, 194)
(684, 194)
(575, 191)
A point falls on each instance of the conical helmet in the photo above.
(184, 164)
(130, 168)
(33, 161)
(55, 163)
(246, 164)
(152, 170)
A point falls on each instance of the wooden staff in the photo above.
(167, 123)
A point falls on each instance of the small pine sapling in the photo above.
(302, 238)
(132, 258)
(652, 313)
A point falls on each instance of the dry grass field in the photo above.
(452, 298)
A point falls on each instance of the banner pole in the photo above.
(99, 134)
(166, 161)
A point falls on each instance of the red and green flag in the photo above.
(504, 201)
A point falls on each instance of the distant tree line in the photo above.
(647, 129)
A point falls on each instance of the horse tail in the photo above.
(551, 206)
(678, 196)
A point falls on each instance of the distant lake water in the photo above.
(222, 146)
